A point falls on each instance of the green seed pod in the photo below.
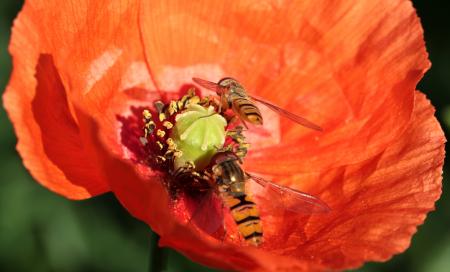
(198, 133)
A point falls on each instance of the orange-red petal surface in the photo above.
(50, 142)
(94, 56)
(376, 204)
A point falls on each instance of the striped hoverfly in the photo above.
(231, 186)
(235, 97)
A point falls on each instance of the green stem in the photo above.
(158, 255)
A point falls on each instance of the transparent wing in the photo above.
(298, 119)
(206, 84)
(281, 197)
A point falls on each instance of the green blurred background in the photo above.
(40, 231)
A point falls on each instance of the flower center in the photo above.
(182, 136)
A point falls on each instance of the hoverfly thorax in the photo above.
(228, 173)
(231, 86)
(228, 82)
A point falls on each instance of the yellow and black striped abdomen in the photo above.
(246, 109)
(246, 216)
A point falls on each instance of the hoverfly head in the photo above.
(228, 84)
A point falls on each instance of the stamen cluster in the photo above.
(184, 137)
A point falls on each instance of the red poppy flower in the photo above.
(351, 66)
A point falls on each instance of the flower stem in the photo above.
(158, 255)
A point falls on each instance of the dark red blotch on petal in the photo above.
(61, 137)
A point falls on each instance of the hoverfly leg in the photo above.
(221, 103)
(188, 167)
(237, 131)
(240, 146)
(240, 129)
(220, 108)
(243, 122)
(232, 119)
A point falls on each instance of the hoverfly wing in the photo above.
(206, 84)
(298, 119)
(287, 198)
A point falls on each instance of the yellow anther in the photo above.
(167, 124)
(147, 114)
(148, 128)
(160, 133)
(178, 153)
(150, 124)
(190, 164)
(170, 141)
(241, 153)
(160, 145)
(162, 116)
(191, 92)
(205, 100)
(184, 98)
(171, 144)
(180, 103)
(172, 107)
(160, 159)
(193, 100)
(244, 145)
(146, 132)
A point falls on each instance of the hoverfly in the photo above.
(230, 182)
(234, 96)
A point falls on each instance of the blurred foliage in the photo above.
(40, 231)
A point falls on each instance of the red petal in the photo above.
(94, 62)
(96, 49)
(376, 204)
(50, 141)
